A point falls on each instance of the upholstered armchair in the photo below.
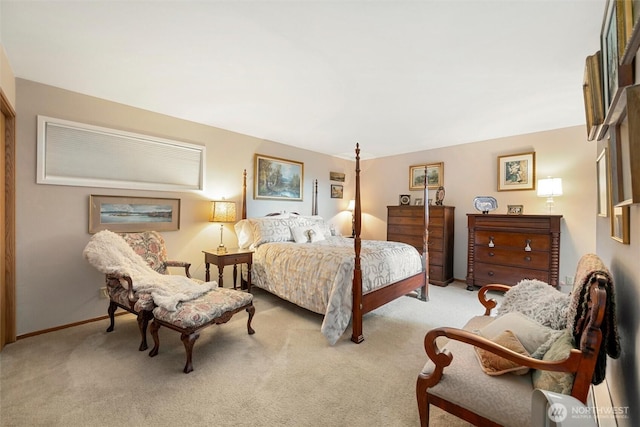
(151, 247)
(486, 373)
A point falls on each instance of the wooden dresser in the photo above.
(508, 248)
(406, 224)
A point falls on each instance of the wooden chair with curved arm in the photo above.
(151, 247)
(453, 380)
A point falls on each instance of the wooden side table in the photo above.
(232, 257)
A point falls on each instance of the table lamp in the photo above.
(351, 208)
(550, 187)
(222, 211)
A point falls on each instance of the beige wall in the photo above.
(470, 170)
(55, 285)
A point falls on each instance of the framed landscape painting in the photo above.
(434, 176)
(517, 172)
(276, 178)
(133, 214)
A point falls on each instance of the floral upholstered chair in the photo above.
(151, 247)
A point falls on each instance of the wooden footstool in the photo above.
(215, 307)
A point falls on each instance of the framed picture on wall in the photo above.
(133, 214)
(620, 224)
(276, 178)
(433, 173)
(602, 166)
(517, 172)
(336, 191)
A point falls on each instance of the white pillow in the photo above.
(313, 220)
(244, 232)
(267, 230)
(307, 234)
(536, 338)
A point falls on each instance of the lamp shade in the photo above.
(222, 211)
(550, 187)
(352, 205)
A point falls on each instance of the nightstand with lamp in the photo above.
(224, 211)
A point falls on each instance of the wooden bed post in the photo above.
(244, 194)
(356, 317)
(424, 294)
(314, 201)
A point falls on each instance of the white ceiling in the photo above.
(395, 76)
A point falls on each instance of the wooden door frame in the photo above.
(9, 296)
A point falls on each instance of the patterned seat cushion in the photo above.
(121, 296)
(202, 310)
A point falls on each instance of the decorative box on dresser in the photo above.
(508, 248)
(406, 224)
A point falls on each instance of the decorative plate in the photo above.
(405, 199)
(485, 204)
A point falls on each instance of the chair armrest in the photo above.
(442, 359)
(114, 280)
(490, 304)
(185, 265)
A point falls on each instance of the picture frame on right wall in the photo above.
(620, 224)
(602, 166)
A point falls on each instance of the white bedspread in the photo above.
(318, 276)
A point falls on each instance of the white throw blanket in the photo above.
(109, 253)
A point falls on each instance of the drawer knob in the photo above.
(527, 258)
(490, 273)
(491, 254)
(491, 244)
(527, 248)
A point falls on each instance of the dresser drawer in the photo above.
(435, 273)
(435, 244)
(413, 240)
(491, 273)
(435, 257)
(436, 221)
(512, 257)
(436, 232)
(506, 239)
(406, 230)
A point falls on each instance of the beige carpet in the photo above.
(284, 375)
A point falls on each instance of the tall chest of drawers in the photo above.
(406, 224)
(508, 248)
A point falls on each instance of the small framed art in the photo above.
(405, 199)
(517, 172)
(515, 209)
(336, 191)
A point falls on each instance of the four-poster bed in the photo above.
(341, 278)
